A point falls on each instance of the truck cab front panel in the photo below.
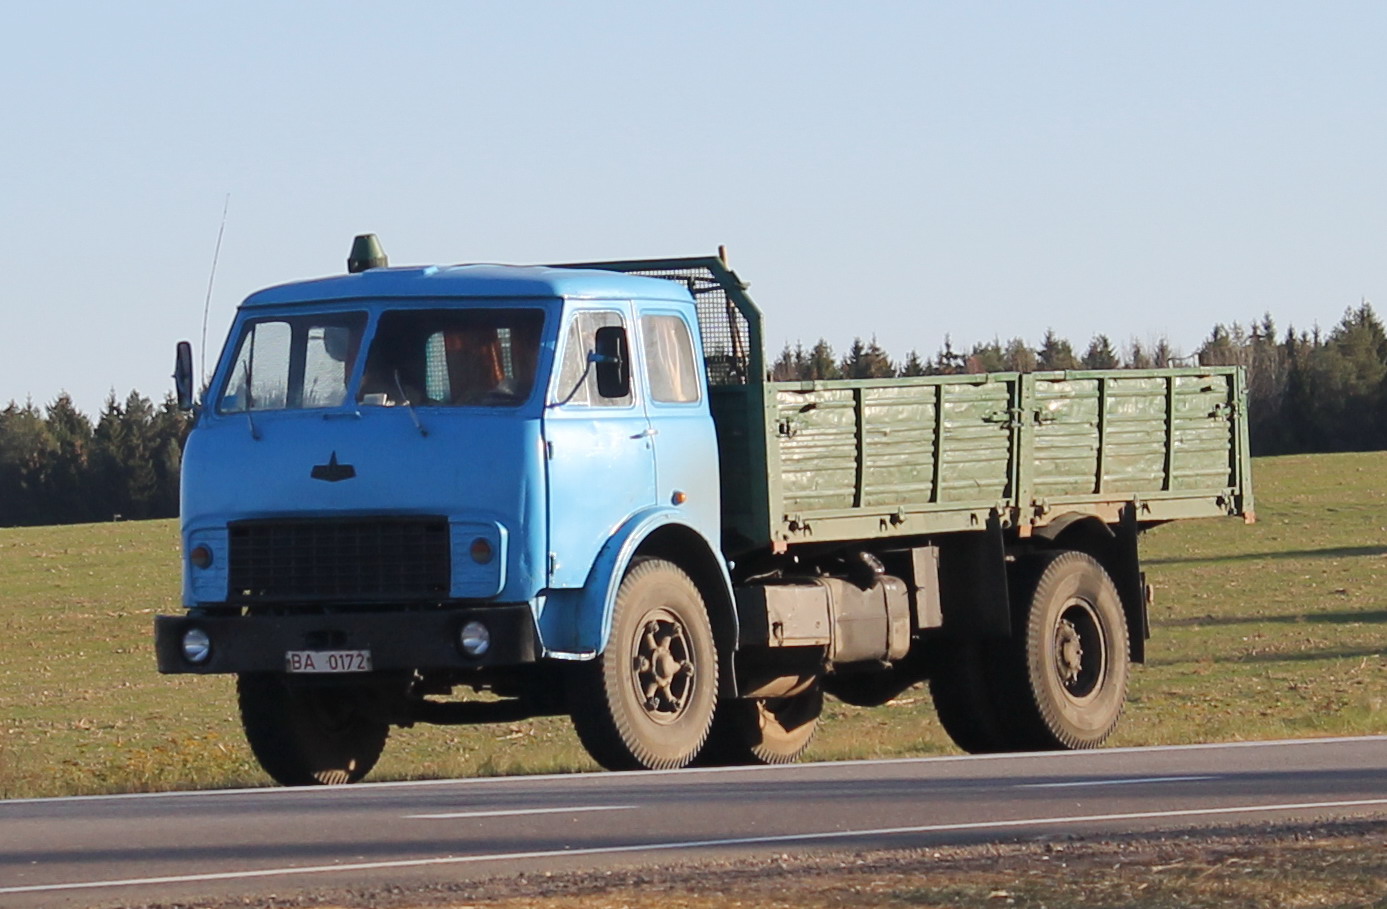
(378, 453)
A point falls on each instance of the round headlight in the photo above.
(474, 639)
(201, 556)
(197, 646)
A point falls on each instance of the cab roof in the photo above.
(491, 281)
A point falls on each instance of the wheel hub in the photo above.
(664, 668)
(1069, 652)
(1080, 653)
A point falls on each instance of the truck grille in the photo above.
(353, 560)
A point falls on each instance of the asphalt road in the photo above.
(198, 847)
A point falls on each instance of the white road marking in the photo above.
(517, 812)
(359, 788)
(1116, 782)
(688, 844)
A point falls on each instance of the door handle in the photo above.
(646, 433)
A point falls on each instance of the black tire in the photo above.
(309, 734)
(963, 687)
(1068, 665)
(646, 703)
(764, 730)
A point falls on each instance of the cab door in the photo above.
(599, 449)
(676, 402)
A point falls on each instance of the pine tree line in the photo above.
(1307, 392)
(1310, 391)
(867, 360)
(56, 467)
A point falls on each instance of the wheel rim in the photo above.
(1080, 651)
(664, 671)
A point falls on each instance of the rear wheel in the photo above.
(764, 730)
(309, 734)
(963, 687)
(1068, 665)
(647, 702)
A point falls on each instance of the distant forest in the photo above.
(1309, 391)
(57, 467)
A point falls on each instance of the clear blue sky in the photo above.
(903, 170)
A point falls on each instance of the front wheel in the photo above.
(647, 702)
(304, 734)
(1069, 664)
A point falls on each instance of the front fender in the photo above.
(574, 624)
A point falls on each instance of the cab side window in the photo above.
(669, 354)
(577, 382)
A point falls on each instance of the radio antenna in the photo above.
(207, 305)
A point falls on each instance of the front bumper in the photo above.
(397, 640)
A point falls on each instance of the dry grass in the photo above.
(1324, 865)
(1341, 866)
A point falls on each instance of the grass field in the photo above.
(1269, 631)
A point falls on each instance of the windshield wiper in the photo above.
(409, 405)
(250, 396)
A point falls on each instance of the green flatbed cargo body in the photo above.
(862, 459)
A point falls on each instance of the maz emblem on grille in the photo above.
(332, 471)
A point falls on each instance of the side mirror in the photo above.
(183, 375)
(612, 360)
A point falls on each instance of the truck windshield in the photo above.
(453, 357)
(288, 363)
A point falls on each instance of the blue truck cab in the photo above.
(403, 479)
(441, 433)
